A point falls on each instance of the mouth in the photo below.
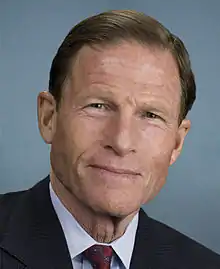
(116, 170)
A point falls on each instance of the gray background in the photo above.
(30, 33)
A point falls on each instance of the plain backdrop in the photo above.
(30, 33)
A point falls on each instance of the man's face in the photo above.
(117, 131)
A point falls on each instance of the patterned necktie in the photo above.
(99, 256)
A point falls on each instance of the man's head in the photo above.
(120, 88)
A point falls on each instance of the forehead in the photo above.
(129, 54)
(131, 67)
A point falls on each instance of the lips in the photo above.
(116, 170)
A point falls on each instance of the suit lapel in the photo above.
(146, 246)
(34, 234)
(155, 245)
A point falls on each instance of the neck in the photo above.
(102, 227)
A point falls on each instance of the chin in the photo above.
(116, 207)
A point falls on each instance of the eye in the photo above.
(150, 115)
(97, 105)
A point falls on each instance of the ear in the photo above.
(181, 134)
(46, 111)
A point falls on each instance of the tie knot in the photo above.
(99, 256)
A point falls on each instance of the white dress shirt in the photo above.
(79, 240)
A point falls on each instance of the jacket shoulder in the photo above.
(9, 198)
(16, 201)
(183, 249)
(8, 204)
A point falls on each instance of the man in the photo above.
(120, 88)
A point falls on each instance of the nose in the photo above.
(120, 135)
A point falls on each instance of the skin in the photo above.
(119, 110)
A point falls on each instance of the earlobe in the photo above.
(181, 135)
(46, 110)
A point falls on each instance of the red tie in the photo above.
(99, 256)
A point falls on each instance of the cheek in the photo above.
(156, 166)
(157, 142)
(77, 138)
(156, 155)
(83, 134)
(155, 176)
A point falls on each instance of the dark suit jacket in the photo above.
(31, 237)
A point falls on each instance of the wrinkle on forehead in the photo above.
(132, 57)
(136, 70)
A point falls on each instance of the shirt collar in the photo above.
(75, 233)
